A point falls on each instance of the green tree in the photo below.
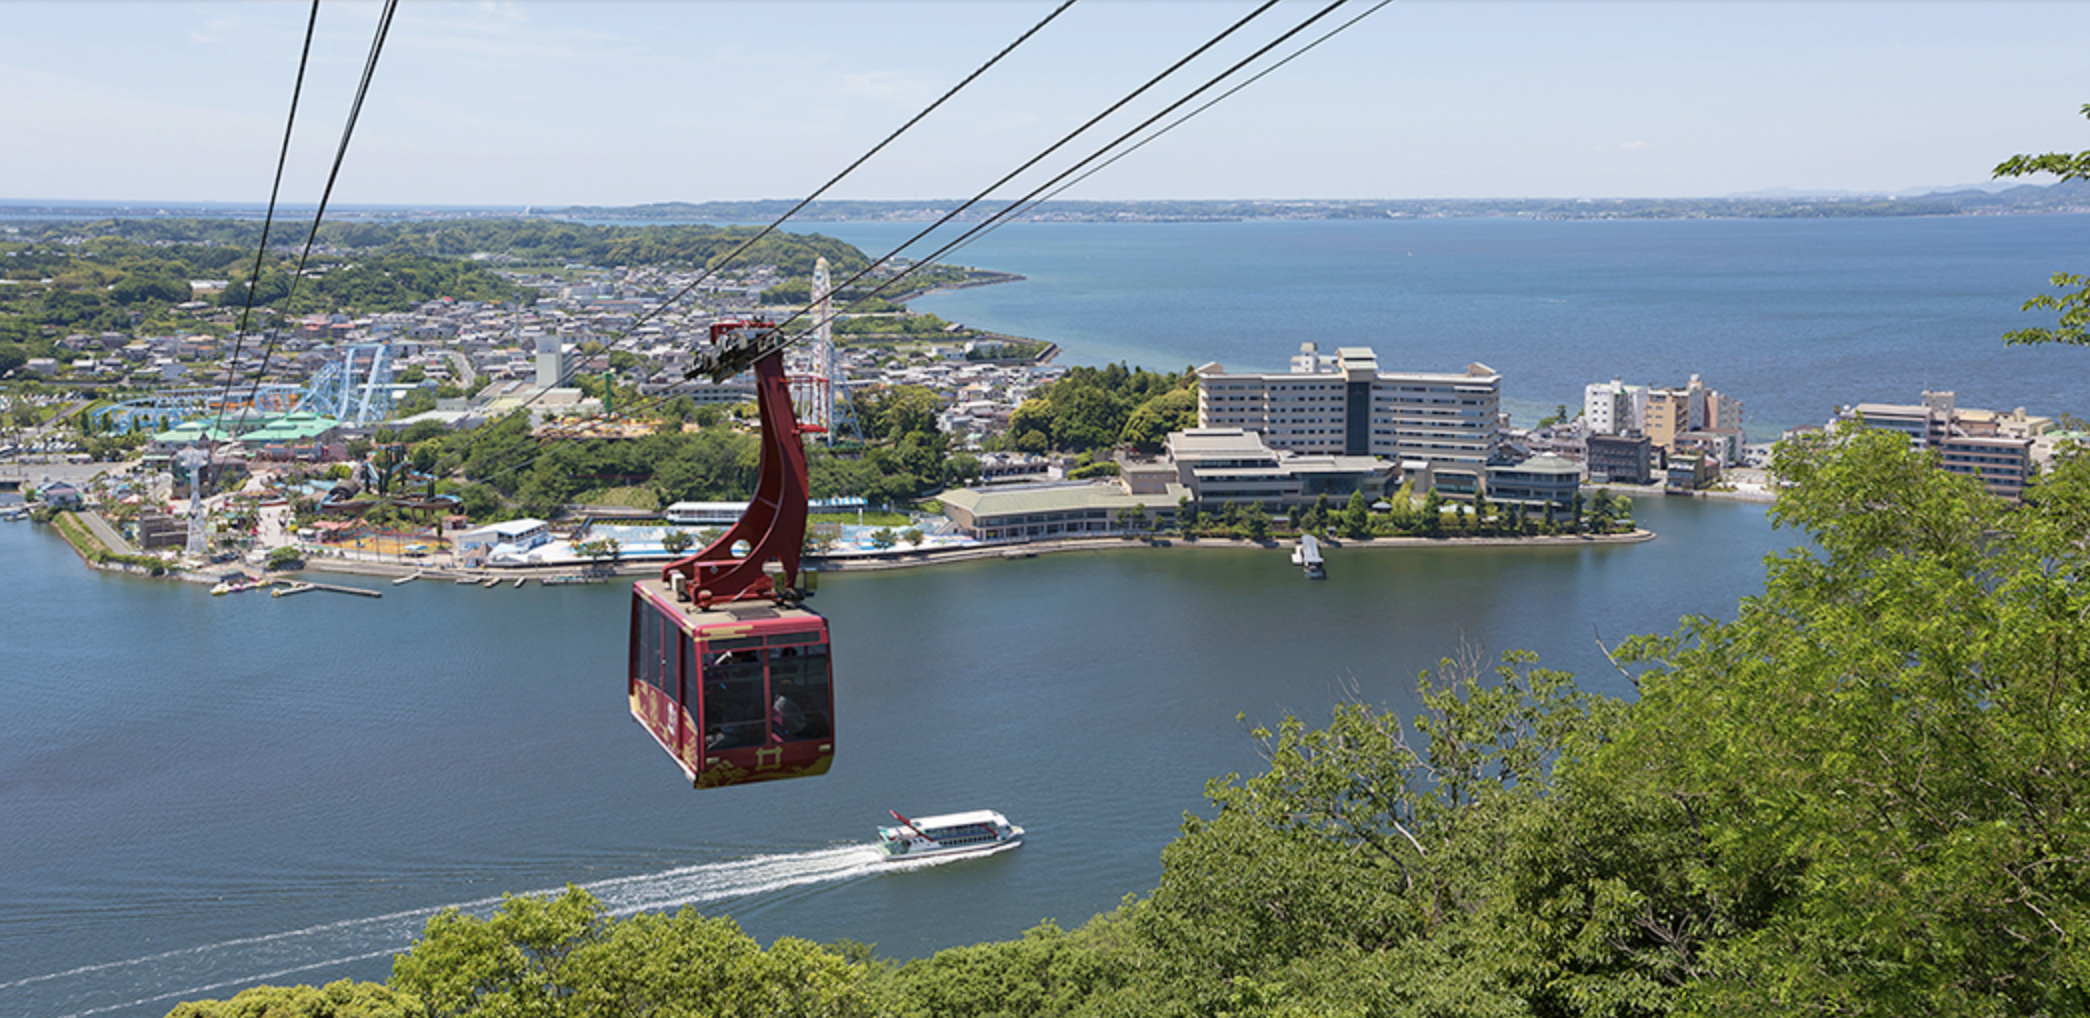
(963, 468)
(1601, 511)
(903, 411)
(1255, 521)
(2074, 307)
(1881, 761)
(1433, 513)
(567, 957)
(1031, 423)
(1357, 521)
(676, 541)
(342, 999)
(1134, 520)
(1364, 839)
(1148, 427)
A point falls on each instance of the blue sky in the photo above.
(610, 103)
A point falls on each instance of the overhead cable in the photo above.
(239, 334)
(786, 341)
(1008, 209)
(715, 265)
(348, 130)
(1178, 122)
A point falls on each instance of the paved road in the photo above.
(465, 373)
(107, 534)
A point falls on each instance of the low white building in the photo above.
(504, 539)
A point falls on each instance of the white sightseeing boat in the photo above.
(979, 832)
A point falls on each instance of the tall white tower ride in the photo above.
(193, 459)
(813, 393)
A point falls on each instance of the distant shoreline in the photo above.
(2067, 197)
(886, 561)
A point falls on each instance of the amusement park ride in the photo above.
(728, 669)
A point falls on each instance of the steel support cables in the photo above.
(348, 130)
(711, 269)
(261, 247)
(1180, 121)
(1009, 209)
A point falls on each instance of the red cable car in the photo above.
(729, 670)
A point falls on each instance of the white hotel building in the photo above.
(1442, 424)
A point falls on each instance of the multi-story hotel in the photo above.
(1345, 406)
(1992, 447)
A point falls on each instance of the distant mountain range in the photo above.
(1973, 199)
(1987, 198)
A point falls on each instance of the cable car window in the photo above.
(780, 639)
(736, 643)
(683, 690)
(802, 705)
(649, 646)
(733, 687)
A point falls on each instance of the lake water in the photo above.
(198, 794)
(201, 793)
(1793, 317)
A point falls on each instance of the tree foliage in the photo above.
(2073, 306)
(1097, 408)
(1894, 749)
(342, 999)
(567, 957)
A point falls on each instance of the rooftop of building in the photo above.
(1216, 443)
(1062, 496)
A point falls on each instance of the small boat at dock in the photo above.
(237, 584)
(979, 832)
(1308, 558)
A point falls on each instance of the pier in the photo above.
(302, 586)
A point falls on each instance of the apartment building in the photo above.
(1614, 408)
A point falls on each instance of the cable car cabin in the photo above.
(728, 671)
(737, 692)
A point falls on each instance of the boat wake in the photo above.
(150, 985)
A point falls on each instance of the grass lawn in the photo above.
(870, 519)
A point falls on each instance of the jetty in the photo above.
(303, 586)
